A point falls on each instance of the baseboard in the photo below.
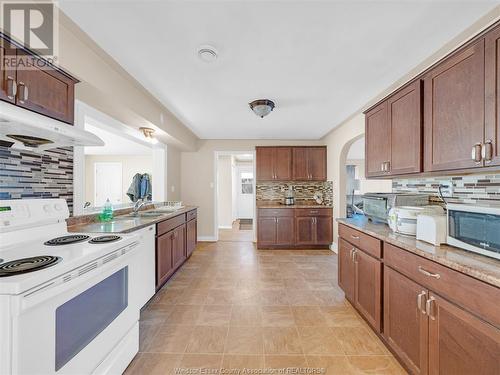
(207, 239)
(333, 247)
(225, 227)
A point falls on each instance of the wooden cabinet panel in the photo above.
(405, 119)
(45, 91)
(346, 274)
(285, 232)
(405, 325)
(460, 343)
(164, 265)
(266, 231)
(492, 104)
(305, 231)
(368, 244)
(300, 171)
(316, 163)
(264, 163)
(368, 287)
(324, 230)
(274, 212)
(454, 110)
(191, 236)
(178, 246)
(377, 140)
(282, 162)
(7, 74)
(169, 224)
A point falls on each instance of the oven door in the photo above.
(72, 326)
(475, 229)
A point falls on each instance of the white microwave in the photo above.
(474, 228)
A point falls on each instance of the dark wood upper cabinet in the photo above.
(405, 122)
(377, 141)
(7, 74)
(459, 342)
(309, 163)
(492, 104)
(454, 111)
(346, 275)
(405, 322)
(367, 295)
(45, 91)
(274, 163)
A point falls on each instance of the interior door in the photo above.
(405, 322)
(7, 74)
(405, 119)
(346, 269)
(460, 343)
(492, 105)
(378, 145)
(108, 183)
(245, 193)
(454, 111)
(368, 287)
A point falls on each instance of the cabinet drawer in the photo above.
(474, 295)
(191, 215)
(369, 244)
(313, 212)
(267, 212)
(170, 224)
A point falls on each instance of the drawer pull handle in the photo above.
(419, 301)
(429, 310)
(427, 273)
(354, 237)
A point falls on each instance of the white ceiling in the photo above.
(114, 144)
(320, 61)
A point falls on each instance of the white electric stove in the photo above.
(67, 300)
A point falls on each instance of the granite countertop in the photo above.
(126, 223)
(297, 205)
(478, 266)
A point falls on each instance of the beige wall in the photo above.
(224, 191)
(106, 86)
(368, 186)
(131, 164)
(173, 174)
(198, 175)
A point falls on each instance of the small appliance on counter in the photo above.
(431, 228)
(403, 220)
(376, 206)
(289, 196)
(474, 228)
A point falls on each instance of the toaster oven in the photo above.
(376, 206)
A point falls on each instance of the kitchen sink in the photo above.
(145, 214)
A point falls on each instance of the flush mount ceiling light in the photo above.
(262, 107)
(148, 132)
(207, 53)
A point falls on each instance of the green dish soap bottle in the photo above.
(107, 212)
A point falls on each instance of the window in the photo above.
(246, 182)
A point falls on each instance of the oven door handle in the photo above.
(77, 280)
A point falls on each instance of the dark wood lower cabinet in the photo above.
(275, 231)
(460, 343)
(304, 234)
(367, 294)
(405, 322)
(346, 274)
(179, 246)
(284, 230)
(191, 236)
(164, 266)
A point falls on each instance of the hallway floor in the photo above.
(234, 307)
(236, 234)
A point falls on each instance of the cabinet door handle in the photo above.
(23, 95)
(427, 273)
(419, 301)
(387, 166)
(350, 253)
(487, 151)
(476, 153)
(382, 167)
(12, 92)
(355, 256)
(354, 237)
(429, 308)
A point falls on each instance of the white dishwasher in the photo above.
(146, 257)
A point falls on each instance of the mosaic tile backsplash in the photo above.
(304, 191)
(27, 174)
(475, 189)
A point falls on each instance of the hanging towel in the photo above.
(146, 190)
(134, 191)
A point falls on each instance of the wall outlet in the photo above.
(447, 188)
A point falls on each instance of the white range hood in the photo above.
(30, 131)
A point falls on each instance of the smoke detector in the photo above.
(207, 53)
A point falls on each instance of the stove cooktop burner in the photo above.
(25, 265)
(105, 239)
(66, 240)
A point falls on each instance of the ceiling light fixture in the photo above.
(262, 107)
(207, 53)
(148, 132)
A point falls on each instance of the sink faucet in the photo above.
(138, 205)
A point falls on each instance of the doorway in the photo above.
(235, 196)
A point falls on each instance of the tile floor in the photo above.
(234, 307)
